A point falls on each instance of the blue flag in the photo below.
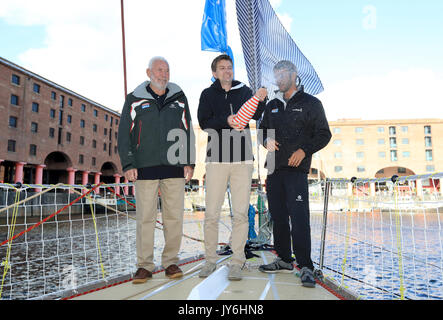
(213, 31)
(265, 42)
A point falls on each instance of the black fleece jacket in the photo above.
(299, 124)
(216, 105)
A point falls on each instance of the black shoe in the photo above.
(277, 266)
(307, 277)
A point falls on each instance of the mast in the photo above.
(124, 46)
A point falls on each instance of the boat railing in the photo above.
(380, 238)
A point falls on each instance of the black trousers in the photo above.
(288, 200)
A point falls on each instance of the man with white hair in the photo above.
(154, 115)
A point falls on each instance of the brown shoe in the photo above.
(141, 276)
(173, 271)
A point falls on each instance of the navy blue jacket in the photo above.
(299, 124)
(215, 106)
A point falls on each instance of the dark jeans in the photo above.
(288, 200)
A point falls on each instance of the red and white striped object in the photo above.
(247, 110)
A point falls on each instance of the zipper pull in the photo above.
(232, 111)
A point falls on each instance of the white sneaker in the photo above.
(207, 269)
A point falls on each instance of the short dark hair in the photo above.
(219, 58)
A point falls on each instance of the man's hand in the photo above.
(261, 94)
(189, 172)
(272, 145)
(233, 124)
(296, 158)
(131, 174)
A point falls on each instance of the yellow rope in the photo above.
(106, 206)
(5, 263)
(28, 198)
(348, 230)
(96, 236)
(399, 245)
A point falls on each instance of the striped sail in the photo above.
(265, 42)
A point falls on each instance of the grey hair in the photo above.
(286, 65)
(157, 58)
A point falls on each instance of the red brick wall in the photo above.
(45, 144)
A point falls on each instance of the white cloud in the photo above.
(275, 3)
(286, 20)
(83, 52)
(83, 44)
(398, 94)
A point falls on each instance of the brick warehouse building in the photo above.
(50, 134)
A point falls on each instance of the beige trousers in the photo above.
(217, 177)
(172, 200)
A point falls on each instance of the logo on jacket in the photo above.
(299, 198)
(132, 111)
(138, 103)
(274, 110)
(180, 104)
(299, 110)
(146, 105)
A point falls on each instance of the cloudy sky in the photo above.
(379, 59)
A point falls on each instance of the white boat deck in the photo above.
(255, 285)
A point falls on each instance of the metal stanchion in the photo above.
(319, 273)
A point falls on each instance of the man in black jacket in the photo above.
(229, 159)
(299, 128)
